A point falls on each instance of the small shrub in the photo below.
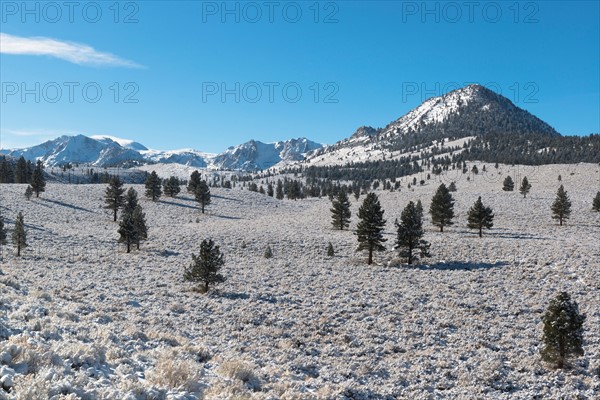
(268, 252)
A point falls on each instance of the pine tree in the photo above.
(171, 186)
(141, 229)
(202, 195)
(452, 187)
(596, 202)
(21, 171)
(114, 196)
(341, 211)
(369, 230)
(2, 233)
(525, 187)
(28, 192)
(330, 251)
(38, 182)
(130, 201)
(561, 208)
(410, 232)
(480, 217)
(127, 230)
(419, 208)
(279, 190)
(563, 331)
(508, 185)
(442, 208)
(19, 236)
(195, 179)
(153, 190)
(7, 174)
(205, 266)
(268, 252)
(270, 191)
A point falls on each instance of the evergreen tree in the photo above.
(139, 222)
(21, 171)
(268, 252)
(153, 190)
(195, 179)
(114, 196)
(206, 266)
(561, 208)
(127, 230)
(7, 174)
(19, 236)
(330, 251)
(270, 190)
(442, 208)
(525, 187)
(563, 331)
(28, 192)
(410, 232)
(596, 202)
(480, 217)
(508, 185)
(279, 190)
(2, 233)
(38, 182)
(171, 186)
(356, 190)
(452, 187)
(202, 195)
(341, 211)
(369, 230)
(130, 201)
(419, 208)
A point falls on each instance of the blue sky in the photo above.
(208, 75)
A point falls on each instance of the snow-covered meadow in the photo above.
(80, 318)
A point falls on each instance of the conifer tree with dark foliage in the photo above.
(195, 179)
(330, 251)
(480, 217)
(21, 171)
(206, 266)
(410, 233)
(596, 202)
(28, 192)
(113, 197)
(370, 227)
(130, 201)
(279, 190)
(268, 252)
(442, 208)
(270, 191)
(508, 185)
(38, 182)
(341, 211)
(2, 233)
(19, 235)
(419, 208)
(525, 187)
(171, 186)
(153, 190)
(202, 195)
(141, 228)
(561, 208)
(452, 187)
(563, 331)
(127, 230)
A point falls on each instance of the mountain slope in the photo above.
(467, 113)
(256, 155)
(105, 151)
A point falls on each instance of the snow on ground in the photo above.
(82, 319)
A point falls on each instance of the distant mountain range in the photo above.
(473, 122)
(103, 151)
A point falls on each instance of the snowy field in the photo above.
(80, 318)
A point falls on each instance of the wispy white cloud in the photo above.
(76, 53)
(19, 138)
